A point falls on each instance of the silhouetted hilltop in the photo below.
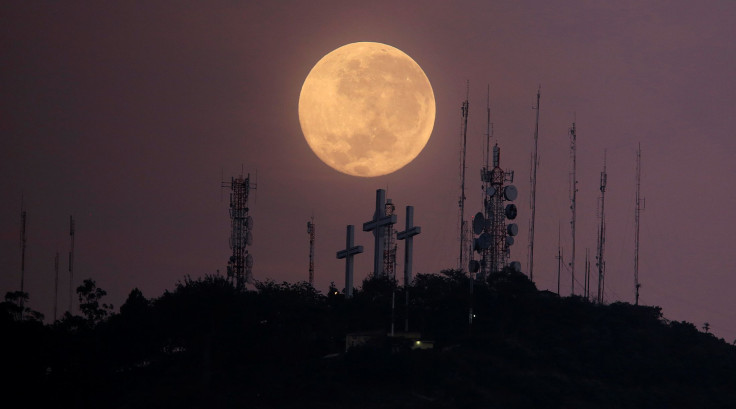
(206, 344)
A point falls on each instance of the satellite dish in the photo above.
(491, 191)
(510, 192)
(516, 266)
(478, 223)
(484, 241)
(249, 261)
(509, 240)
(512, 229)
(473, 266)
(249, 222)
(511, 211)
(249, 238)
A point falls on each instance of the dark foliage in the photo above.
(206, 344)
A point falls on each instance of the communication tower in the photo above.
(573, 202)
(389, 243)
(533, 196)
(586, 288)
(600, 257)
(640, 205)
(240, 264)
(311, 232)
(494, 236)
(461, 201)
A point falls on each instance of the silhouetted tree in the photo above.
(89, 296)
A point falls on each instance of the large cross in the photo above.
(347, 254)
(377, 225)
(408, 235)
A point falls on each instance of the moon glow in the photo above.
(366, 109)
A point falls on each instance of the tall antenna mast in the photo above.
(23, 221)
(311, 232)
(586, 290)
(573, 205)
(56, 284)
(601, 262)
(559, 258)
(71, 263)
(535, 163)
(461, 202)
(637, 210)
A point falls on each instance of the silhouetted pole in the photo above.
(638, 210)
(408, 235)
(535, 163)
(461, 202)
(347, 254)
(71, 263)
(23, 221)
(56, 284)
(573, 203)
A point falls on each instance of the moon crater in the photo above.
(366, 109)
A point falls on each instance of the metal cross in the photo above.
(377, 225)
(347, 254)
(408, 235)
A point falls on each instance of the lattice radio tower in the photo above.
(600, 257)
(311, 232)
(389, 244)
(461, 201)
(495, 236)
(640, 205)
(240, 264)
(533, 196)
(573, 202)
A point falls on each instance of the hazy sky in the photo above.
(126, 114)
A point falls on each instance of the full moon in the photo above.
(366, 109)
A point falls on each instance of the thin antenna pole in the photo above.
(586, 290)
(23, 221)
(56, 284)
(535, 163)
(637, 210)
(311, 231)
(464, 109)
(71, 262)
(573, 203)
(559, 258)
(602, 235)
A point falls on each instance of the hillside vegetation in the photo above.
(207, 345)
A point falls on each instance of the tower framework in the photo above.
(240, 264)
(311, 232)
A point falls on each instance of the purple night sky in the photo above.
(125, 114)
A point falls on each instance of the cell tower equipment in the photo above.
(240, 264)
